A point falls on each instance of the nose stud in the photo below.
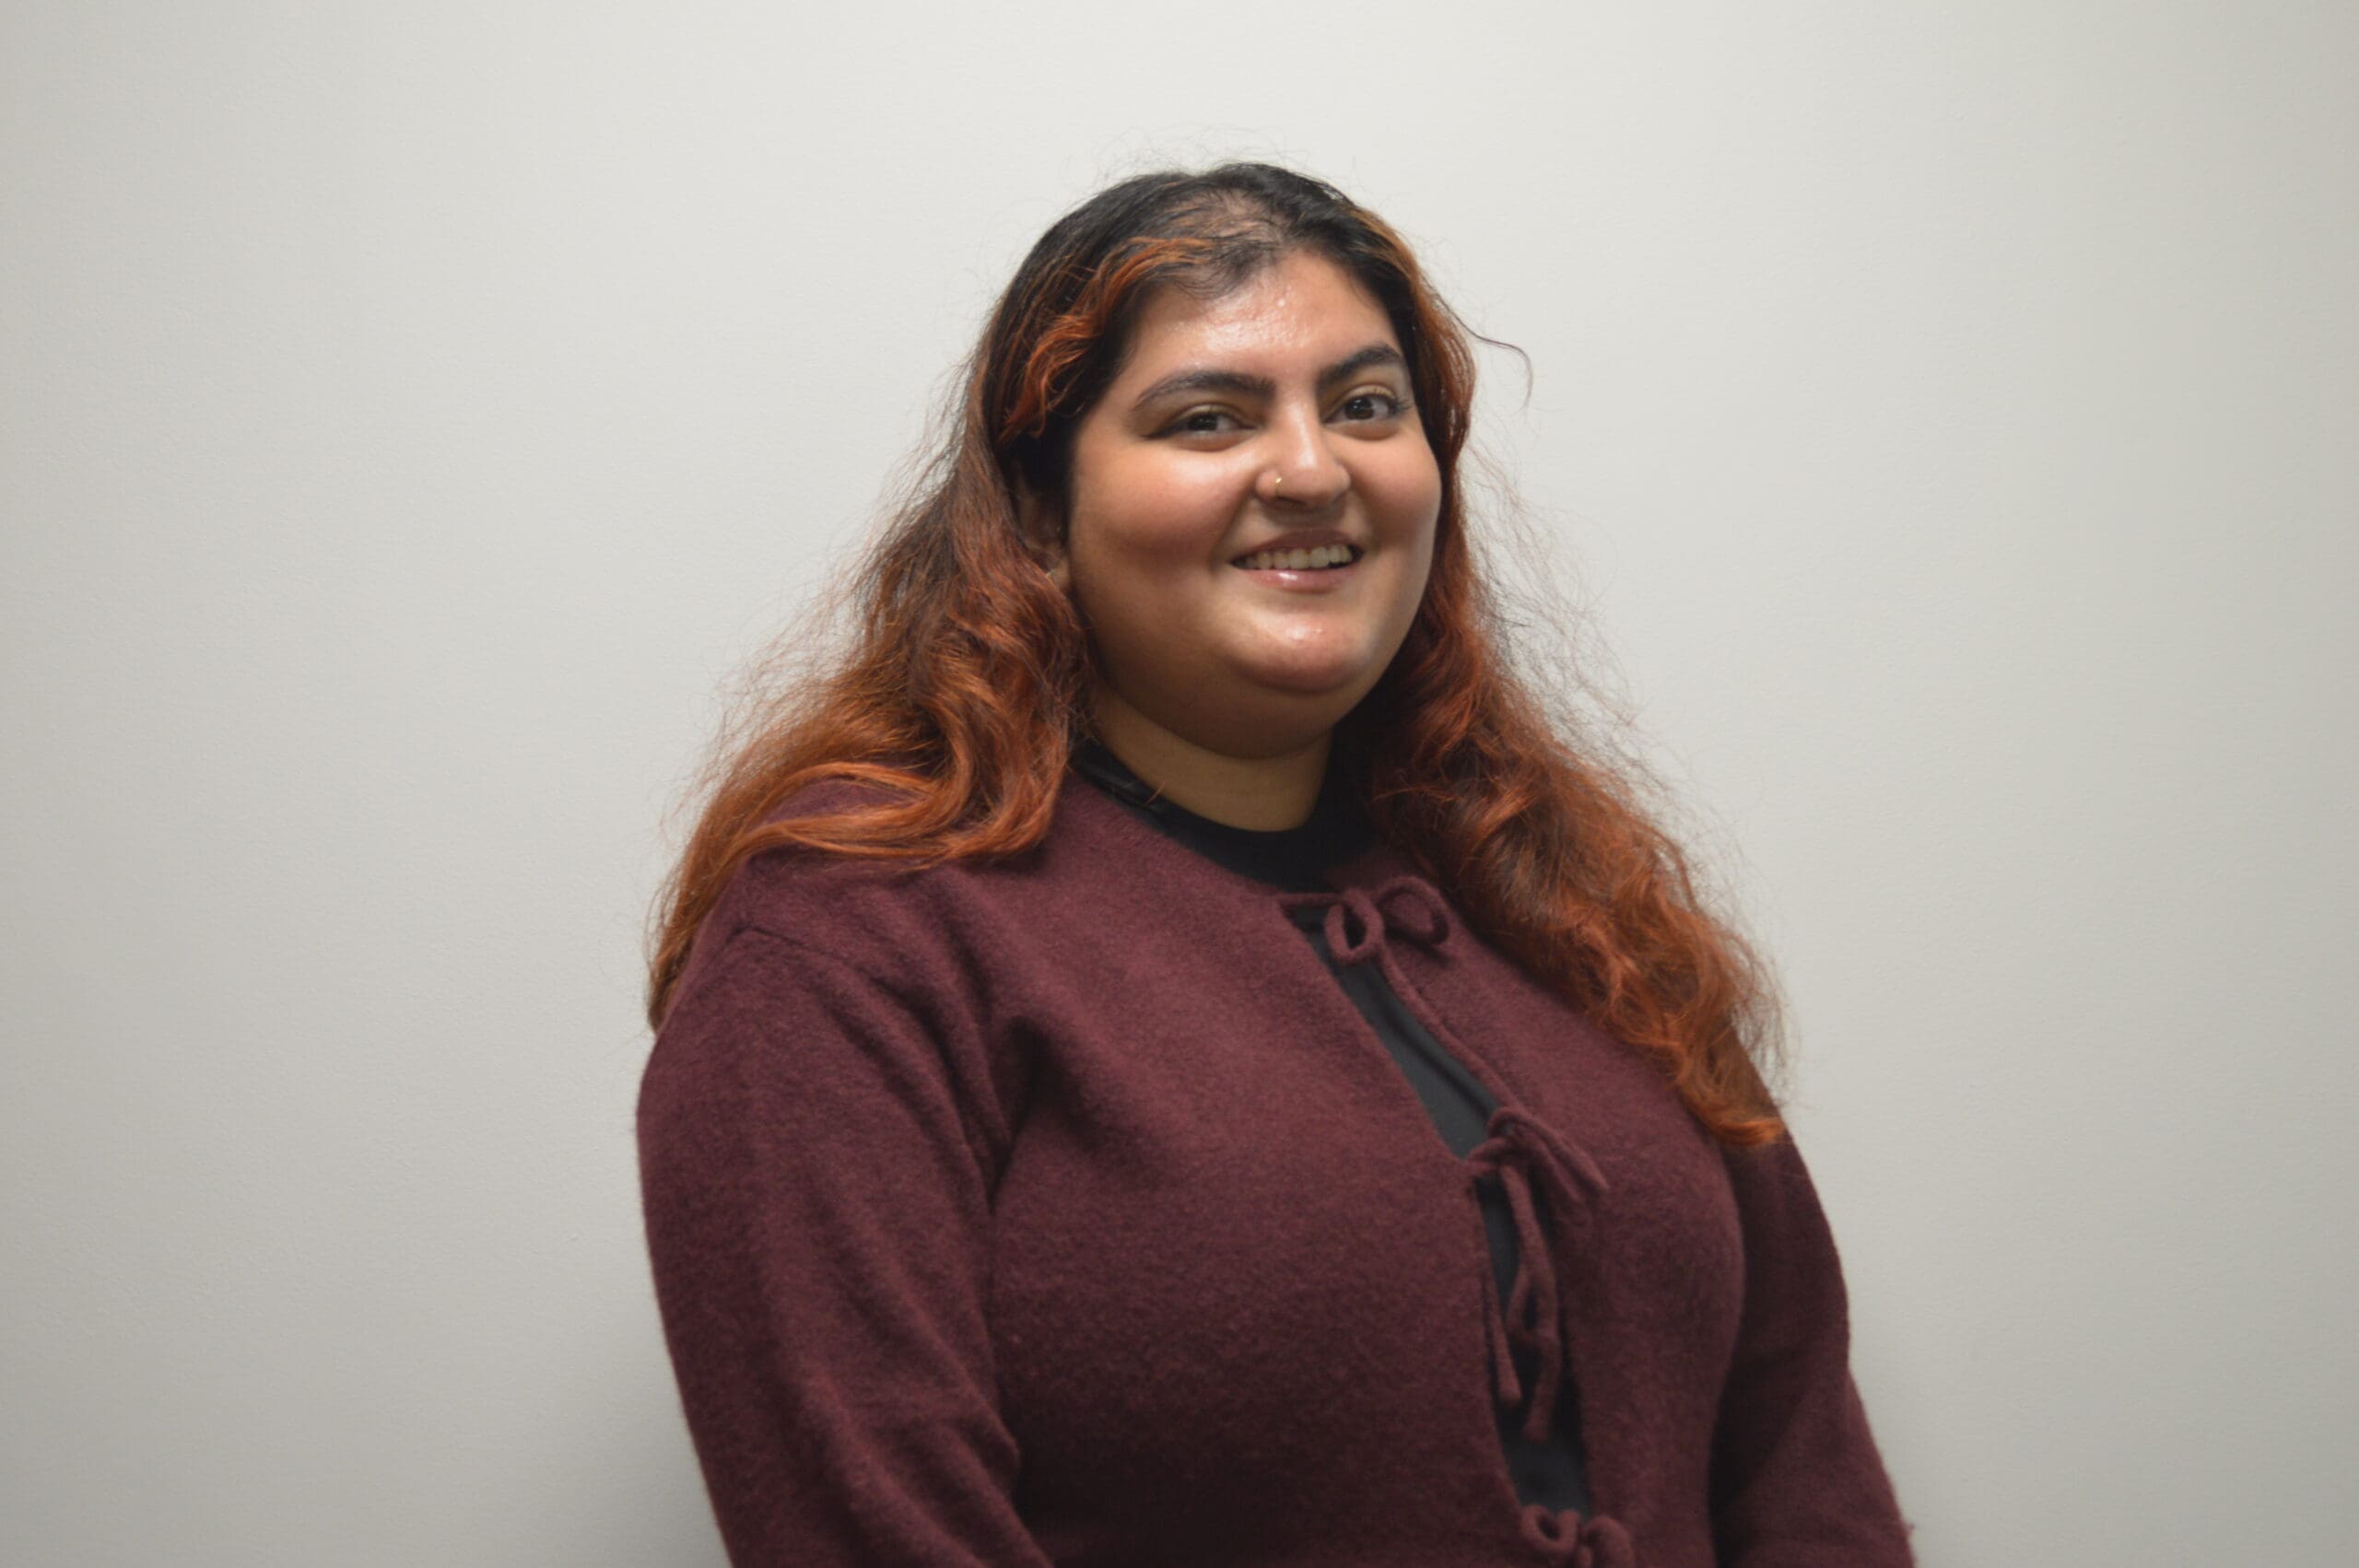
(1276, 485)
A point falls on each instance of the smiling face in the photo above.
(1275, 416)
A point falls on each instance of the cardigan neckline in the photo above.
(1304, 858)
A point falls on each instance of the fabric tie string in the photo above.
(1358, 920)
(1568, 1539)
(1520, 1148)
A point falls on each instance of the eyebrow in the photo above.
(1236, 381)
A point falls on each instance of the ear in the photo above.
(1044, 535)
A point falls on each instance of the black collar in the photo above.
(1291, 858)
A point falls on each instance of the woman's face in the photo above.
(1276, 417)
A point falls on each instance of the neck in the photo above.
(1263, 793)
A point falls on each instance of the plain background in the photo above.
(411, 418)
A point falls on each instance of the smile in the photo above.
(1303, 569)
(1323, 557)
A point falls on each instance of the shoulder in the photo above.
(821, 899)
(821, 962)
(915, 920)
(1778, 1204)
(853, 907)
(992, 936)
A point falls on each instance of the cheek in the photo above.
(1143, 515)
(1405, 495)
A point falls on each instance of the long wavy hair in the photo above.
(962, 678)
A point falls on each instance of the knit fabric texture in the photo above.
(1061, 1210)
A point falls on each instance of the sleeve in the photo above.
(818, 1222)
(1797, 1482)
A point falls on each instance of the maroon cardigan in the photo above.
(1064, 1211)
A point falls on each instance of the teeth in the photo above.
(1299, 560)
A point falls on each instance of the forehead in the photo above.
(1303, 307)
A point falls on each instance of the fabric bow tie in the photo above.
(1359, 919)
(1575, 1542)
(1523, 1153)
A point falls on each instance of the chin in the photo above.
(1310, 677)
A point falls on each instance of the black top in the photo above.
(1293, 859)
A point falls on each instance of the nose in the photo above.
(1303, 470)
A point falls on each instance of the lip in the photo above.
(1304, 579)
(1302, 539)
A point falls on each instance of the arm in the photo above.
(817, 1220)
(1796, 1479)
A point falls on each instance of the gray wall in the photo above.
(410, 418)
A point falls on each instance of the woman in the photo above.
(1164, 1056)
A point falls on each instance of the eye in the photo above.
(1385, 406)
(1200, 422)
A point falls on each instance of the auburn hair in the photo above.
(963, 679)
